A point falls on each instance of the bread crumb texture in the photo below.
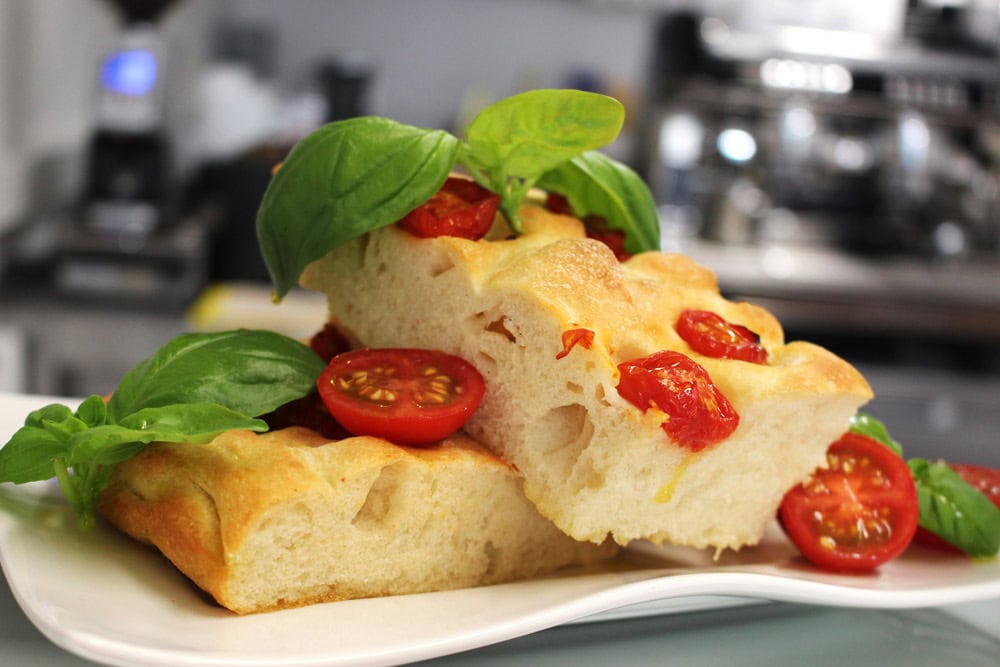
(593, 463)
(287, 518)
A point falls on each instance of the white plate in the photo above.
(107, 599)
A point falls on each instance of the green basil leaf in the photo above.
(197, 423)
(53, 413)
(954, 510)
(250, 372)
(531, 133)
(28, 455)
(93, 411)
(595, 184)
(343, 180)
(864, 424)
(527, 135)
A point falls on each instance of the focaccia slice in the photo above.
(289, 518)
(594, 463)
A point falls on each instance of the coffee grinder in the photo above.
(127, 239)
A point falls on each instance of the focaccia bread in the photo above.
(593, 462)
(288, 518)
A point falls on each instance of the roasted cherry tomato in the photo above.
(573, 337)
(557, 203)
(460, 208)
(698, 413)
(707, 333)
(310, 412)
(328, 342)
(596, 226)
(613, 238)
(982, 479)
(407, 396)
(857, 513)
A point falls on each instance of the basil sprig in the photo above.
(513, 143)
(950, 507)
(192, 389)
(352, 176)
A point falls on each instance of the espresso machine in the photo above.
(842, 169)
(128, 240)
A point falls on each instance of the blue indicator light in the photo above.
(131, 72)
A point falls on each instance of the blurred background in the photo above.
(834, 161)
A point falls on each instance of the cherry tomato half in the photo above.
(698, 413)
(857, 513)
(707, 333)
(982, 479)
(407, 396)
(460, 208)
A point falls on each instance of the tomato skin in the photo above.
(310, 412)
(613, 238)
(573, 337)
(709, 334)
(459, 208)
(983, 479)
(328, 342)
(407, 396)
(698, 413)
(864, 485)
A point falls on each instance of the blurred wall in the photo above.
(430, 55)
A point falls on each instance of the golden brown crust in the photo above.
(289, 518)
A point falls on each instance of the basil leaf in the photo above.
(250, 372)
(595, 184)
(28, 455)
(527, 135)
(93, 411)
(954, 510)
(864, 424)
(53, 413)
(346, 178)
(196, 423)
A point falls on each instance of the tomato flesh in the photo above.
(407, 396)
(709, 334)
(857, 513)
(697, 413)
(459, 208)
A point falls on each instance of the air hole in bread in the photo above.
(442, 264)
(570, 430)
(574, 388)
(498, 326)
(378, 502)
